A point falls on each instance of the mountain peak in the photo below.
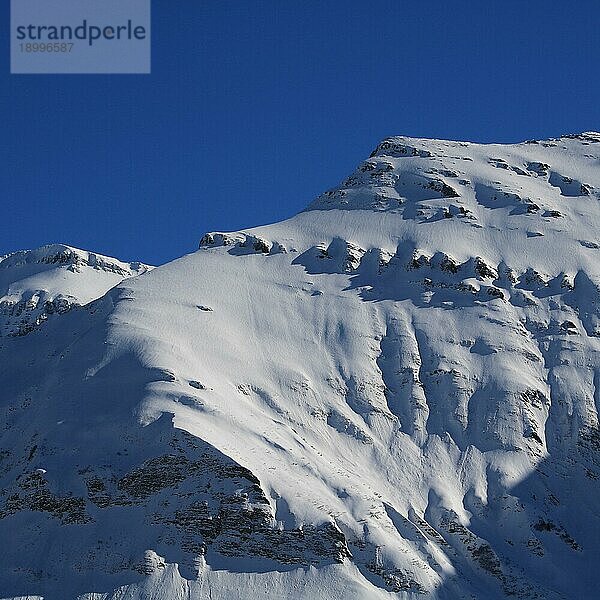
(61, 254)
(52, 279)
(410, 176)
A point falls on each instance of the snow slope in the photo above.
(393, 394)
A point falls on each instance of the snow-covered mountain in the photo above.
(393, 394)
(52, 280)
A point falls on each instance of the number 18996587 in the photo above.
(49, 47)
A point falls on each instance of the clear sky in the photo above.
(255, 107)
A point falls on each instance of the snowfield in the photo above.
(393, 394)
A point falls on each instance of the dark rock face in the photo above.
(390, 147)
(544, 525)
(196, 502)
(395, 579)
(221, 506)
(443, 188)
(31, 492)
(26, 316)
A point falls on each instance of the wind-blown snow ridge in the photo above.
(393, 394)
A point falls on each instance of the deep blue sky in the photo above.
(254, 108)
